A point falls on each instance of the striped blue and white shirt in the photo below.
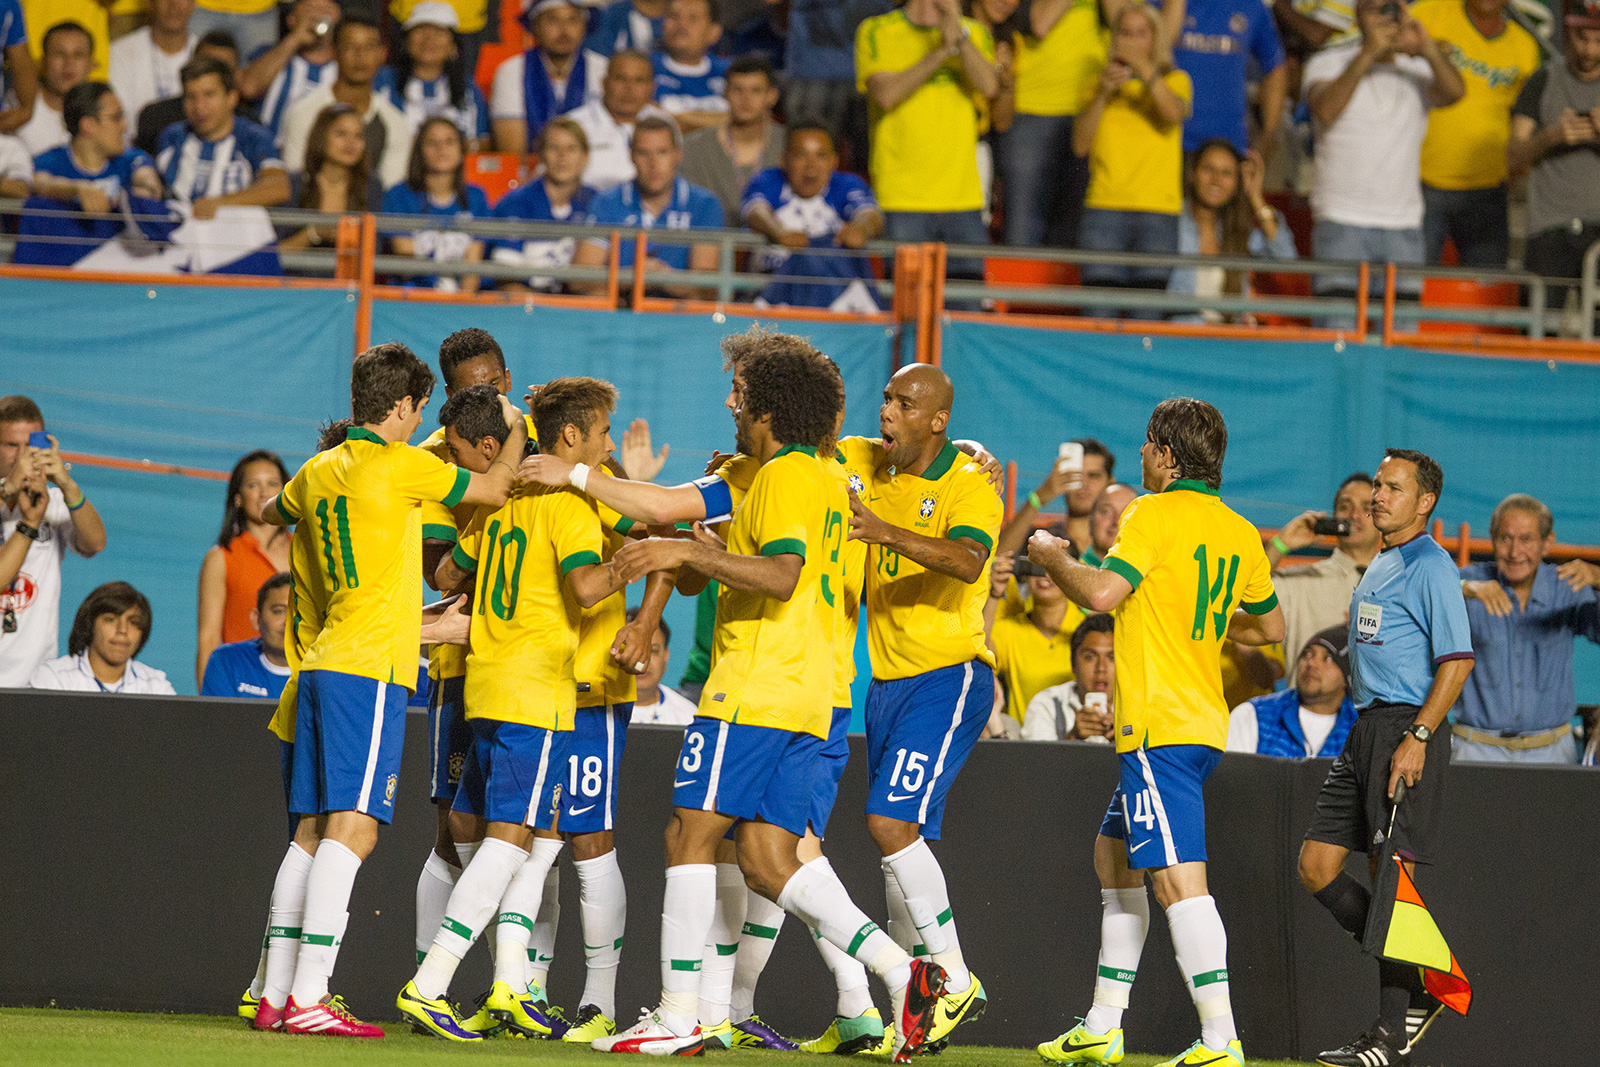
(194, 168)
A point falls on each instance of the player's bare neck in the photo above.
(930, 452)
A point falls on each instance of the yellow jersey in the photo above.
(1465, 147)
(473, 14)
(1191, 561)
(856, 458)
(525, 620)
(1133, 164)
(919, 620)
(363, 501)
(1236, 688)
(237, 7)
(440, 523)
(601, 680)
(308, 604)
(1057, 73)
(1028, 661)
(765, 670)
(924, 150)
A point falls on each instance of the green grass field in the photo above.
(38, 1037)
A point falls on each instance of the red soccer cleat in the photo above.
(268, 1017)
(329, 1017)
(916, 1014)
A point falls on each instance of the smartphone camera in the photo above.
(1331, 527)
(324, 25)
(38, 439)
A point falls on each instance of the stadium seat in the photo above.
(1464, 292)
(1280, 283)
(998, 270)
(496, 173)
(513, 39)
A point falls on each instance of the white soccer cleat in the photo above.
(653, 1038)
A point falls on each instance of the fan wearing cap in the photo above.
(554, 77)
(1311, 719)
(429, 78)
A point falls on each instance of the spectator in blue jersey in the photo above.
(1311, 719)
(257, 668)
(158, 115)
(214, 158)
(556, 194)
(429, 79)
(690, 80)
(360, 53)
(301, 60)
(91, 172)
(809, 204)
(21, 77)
(1215, 46)
(724, 157)
(557, 76)
(338, 177)
(764, 34)
(658, 198)
(436, 185)
(628, 25)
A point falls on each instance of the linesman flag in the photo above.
(1400, 927)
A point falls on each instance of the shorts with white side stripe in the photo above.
(347, 739)
(513, 773)
(590, 767)
(748, 772)
(1159, 808)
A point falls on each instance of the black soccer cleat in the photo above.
(1424, 1009)
(1380, 1047)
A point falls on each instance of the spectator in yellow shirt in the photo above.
(1033, 650)
(1132, 134)
(253, 23)
(1464, 152)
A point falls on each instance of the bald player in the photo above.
(929, 518)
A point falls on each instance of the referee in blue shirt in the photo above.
(1410, 654)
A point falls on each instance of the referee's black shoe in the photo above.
(1377, 1048)
(1424, 1009)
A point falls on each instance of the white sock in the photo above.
(434, 884)
(603, 903)
(816, 897)
(472, 905)
(1201, 945)
(848, 975)
(687, 910)
(464, 853)
(542, 945)
(922, 881)
(519, 907)
(327, 903)
(716, 967)
(1124, 920)
(757, 936)
(901, 928)
(283, 925)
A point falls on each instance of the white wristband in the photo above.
(579, 478)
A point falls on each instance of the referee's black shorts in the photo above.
(1353, 807)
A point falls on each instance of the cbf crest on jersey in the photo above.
(857, 485)
(928, 504)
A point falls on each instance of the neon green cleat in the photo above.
(718, 1037)
(248, 1006)
(480, 1021)
(887, 1047)
(1199, 1055)
(520, 1013)
(954, 1009)
(1082, 1045)
(847, 1037)
(590, 1024)
(437, 1017)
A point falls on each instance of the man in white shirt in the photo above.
(1369, 103)
(1079, 710)
(608, 122)
(1316, 595)
(16, 167)
(1313, 718)
(111, 627)
(30, 602)
(67, 59)
(145, 63)
(566, 77)
(359, 53)
(656, 703)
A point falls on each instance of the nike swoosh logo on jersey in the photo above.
(676, 783)
(573, 813)
(892, 797)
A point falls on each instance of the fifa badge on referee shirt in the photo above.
(1368, 618)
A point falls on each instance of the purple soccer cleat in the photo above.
(753, 1033)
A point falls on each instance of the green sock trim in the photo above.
(459, 929)
(919, 950)
(283, 931)
(861, 935)
(420, 957)
(945, 916)
(1209, 978)
(768, 932)
(519, 920)
(326, 940)
(1123, 976)
(727, 950)
(685, 965)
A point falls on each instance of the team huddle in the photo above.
(803, 532)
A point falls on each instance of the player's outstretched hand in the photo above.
(1491, 595)
(451, 627)
(707, 536)
(543, 469)
(509, 412)
(631, 649)
(533, 391)
(640, 463)
(636, 559)
(865, 526)
(1045, 548)
(718, 458)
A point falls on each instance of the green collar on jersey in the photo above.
(361, 433)
(941, 463)
(807, 450)
(1194, 485)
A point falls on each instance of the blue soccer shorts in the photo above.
(286, 767)
(449, 737)
(348, 734)
(1159, 808)
(920, 731)
(513, 774)
(590, 767)
(748, 772)
(830, 771)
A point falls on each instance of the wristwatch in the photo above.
(25, 530)
(1420, 731)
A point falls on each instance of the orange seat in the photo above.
(1463, 292)
(490, 55)
(496, 173)
(1280, 283)
(1039, 273)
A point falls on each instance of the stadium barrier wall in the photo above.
(158, 825)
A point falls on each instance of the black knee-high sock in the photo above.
(1348, 901)
(1397, 983)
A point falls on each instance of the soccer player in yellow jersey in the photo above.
(929, 518)
(363, 499)
(535, 565)
(1185, 573)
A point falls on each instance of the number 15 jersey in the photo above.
(1191, 561)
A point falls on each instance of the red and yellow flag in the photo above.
(1413, 937)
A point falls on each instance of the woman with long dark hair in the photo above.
(429, 78)
(338, 176)
(437, 185)
(246, 554)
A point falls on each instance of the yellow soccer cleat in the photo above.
(590, 1024)
(1082, 1045)
(248, 1006)
(847, 1037)
(519, 1013)
(1198, 1055)
(954, 1009)
(437, 1017)
(718, 1037)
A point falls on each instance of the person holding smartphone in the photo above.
(30, 600)
(1316, 595)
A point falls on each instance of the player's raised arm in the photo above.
(643, 501)
(958, 557)
(772, 576)
(494, 485)
(1088, 587)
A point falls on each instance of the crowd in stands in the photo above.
(1106, 125)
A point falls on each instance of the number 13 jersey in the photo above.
(1191, 561)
